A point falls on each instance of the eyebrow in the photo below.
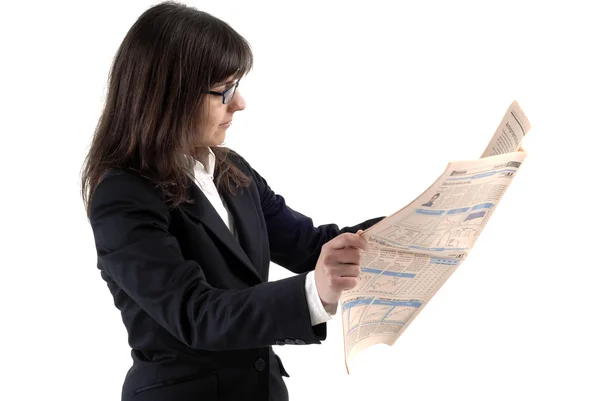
(224, 83)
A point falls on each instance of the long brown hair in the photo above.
(167, 61)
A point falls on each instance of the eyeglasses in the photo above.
(227, 93)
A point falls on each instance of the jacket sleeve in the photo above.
(130, 224)
(294, 240)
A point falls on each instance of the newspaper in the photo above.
(415, 250)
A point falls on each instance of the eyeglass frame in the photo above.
(224, 93)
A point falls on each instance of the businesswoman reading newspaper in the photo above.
(185, 229)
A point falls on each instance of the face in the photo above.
(217, 117)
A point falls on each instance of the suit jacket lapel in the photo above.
(247, 224)
(203, 211)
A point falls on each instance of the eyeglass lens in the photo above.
(229, 93)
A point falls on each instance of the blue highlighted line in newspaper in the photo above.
(373, 311)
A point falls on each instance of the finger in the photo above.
(347, 270)
(345, 283)
(348, 239)
(346, 255)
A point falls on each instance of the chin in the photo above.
(215, 141)
(219, 139)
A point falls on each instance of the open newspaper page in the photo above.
(414, 251)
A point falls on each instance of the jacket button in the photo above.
(289, 341)
(260, 364)
(279, 343)
(300, 342)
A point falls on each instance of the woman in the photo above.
(185, 229)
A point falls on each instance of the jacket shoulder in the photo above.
(241, 163)
(236, 158)
(121, 185)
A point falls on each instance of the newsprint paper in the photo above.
(415, 250)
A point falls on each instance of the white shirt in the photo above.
(203, 177)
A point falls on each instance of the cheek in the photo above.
(212, 117)
(207, 125)
(216, 118)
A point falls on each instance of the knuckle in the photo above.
(330, 279)
(350, 283)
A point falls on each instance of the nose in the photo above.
(237, 103)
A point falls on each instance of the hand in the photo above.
(338, 266)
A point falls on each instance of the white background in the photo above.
(354, 108)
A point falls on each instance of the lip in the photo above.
(228, 123)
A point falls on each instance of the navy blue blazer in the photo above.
(200, 313)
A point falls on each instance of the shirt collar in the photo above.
(205, 162)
